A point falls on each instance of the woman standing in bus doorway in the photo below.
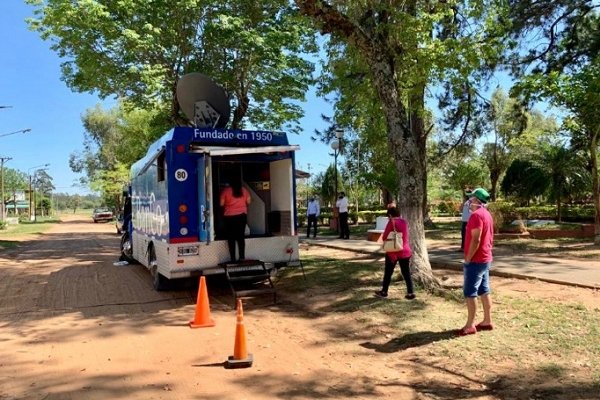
(234, 200)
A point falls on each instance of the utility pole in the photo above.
(3, 211)
(36, 168)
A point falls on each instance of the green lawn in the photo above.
(555, 340)
(42, 225)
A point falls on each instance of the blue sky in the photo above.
(38, 100)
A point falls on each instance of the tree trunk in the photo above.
(494, 177)
(595, 187)
(404, 129)
(407, 145)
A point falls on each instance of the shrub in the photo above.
(301, 219)
(498, 217)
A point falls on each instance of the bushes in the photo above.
(367, 216)
(572, 213)
(445, 207)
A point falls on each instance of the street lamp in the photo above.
(19, 131)
(36, 168)
(336, 145)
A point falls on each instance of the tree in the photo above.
(74, 202)
(524, 180)
(505, 120)
(42, 181)
(111, 183)
(14, 181)
(400, 49)
(566, 71)
(130, 49)
(468, 172)
(113, 140)
(328, 190)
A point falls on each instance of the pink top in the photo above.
(481, 219)
(401, 226)
(234, 205)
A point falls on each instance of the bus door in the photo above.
(204, 197)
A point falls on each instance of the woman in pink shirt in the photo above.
(402, 256)
(234, 200)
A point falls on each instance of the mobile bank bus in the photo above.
(177, 228)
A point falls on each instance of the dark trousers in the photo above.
(404, 269)
(235, 226)
(344, 229)
(312, 221)
(463, 233)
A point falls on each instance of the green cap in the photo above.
(481, 194)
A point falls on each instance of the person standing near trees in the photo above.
(395, 223)
(342, 205)
(312, 213)
(479, 241)
(466, 213)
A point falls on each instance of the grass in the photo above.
(554, 339)
(42, 225)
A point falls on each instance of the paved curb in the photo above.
(438, 263)
(494, 272)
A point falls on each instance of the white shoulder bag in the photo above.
(393, 243)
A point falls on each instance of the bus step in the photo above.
(249, 278)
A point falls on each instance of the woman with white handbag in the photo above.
(397, 250)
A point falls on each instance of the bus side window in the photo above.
(161, 167)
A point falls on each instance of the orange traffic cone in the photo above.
(202, 317)
(240, 358)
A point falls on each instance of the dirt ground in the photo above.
(75, 326)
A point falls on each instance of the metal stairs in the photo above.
(249, 278)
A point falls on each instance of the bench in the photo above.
(374, 235)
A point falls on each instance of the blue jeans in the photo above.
(476, 279)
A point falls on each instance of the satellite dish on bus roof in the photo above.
(203, 101)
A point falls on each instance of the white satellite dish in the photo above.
(203, 101)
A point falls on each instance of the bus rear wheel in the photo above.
(126, 248)
(159, 282)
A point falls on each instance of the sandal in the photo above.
(486, 327)
(467, 331)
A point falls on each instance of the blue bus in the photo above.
(176, 226)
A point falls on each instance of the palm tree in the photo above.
(567, 172)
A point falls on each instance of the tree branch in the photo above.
(331, 21)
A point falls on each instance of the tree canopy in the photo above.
(130, 49)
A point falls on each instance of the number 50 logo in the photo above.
(181, 175)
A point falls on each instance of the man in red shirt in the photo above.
(479, 241)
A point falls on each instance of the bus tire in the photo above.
(126, 248)
(159, 282)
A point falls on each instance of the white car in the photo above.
(102, 214)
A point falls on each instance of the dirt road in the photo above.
(75, 326)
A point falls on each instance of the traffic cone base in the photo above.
(232, 363)
(207, 324)
(240, 357)
(202, 317)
